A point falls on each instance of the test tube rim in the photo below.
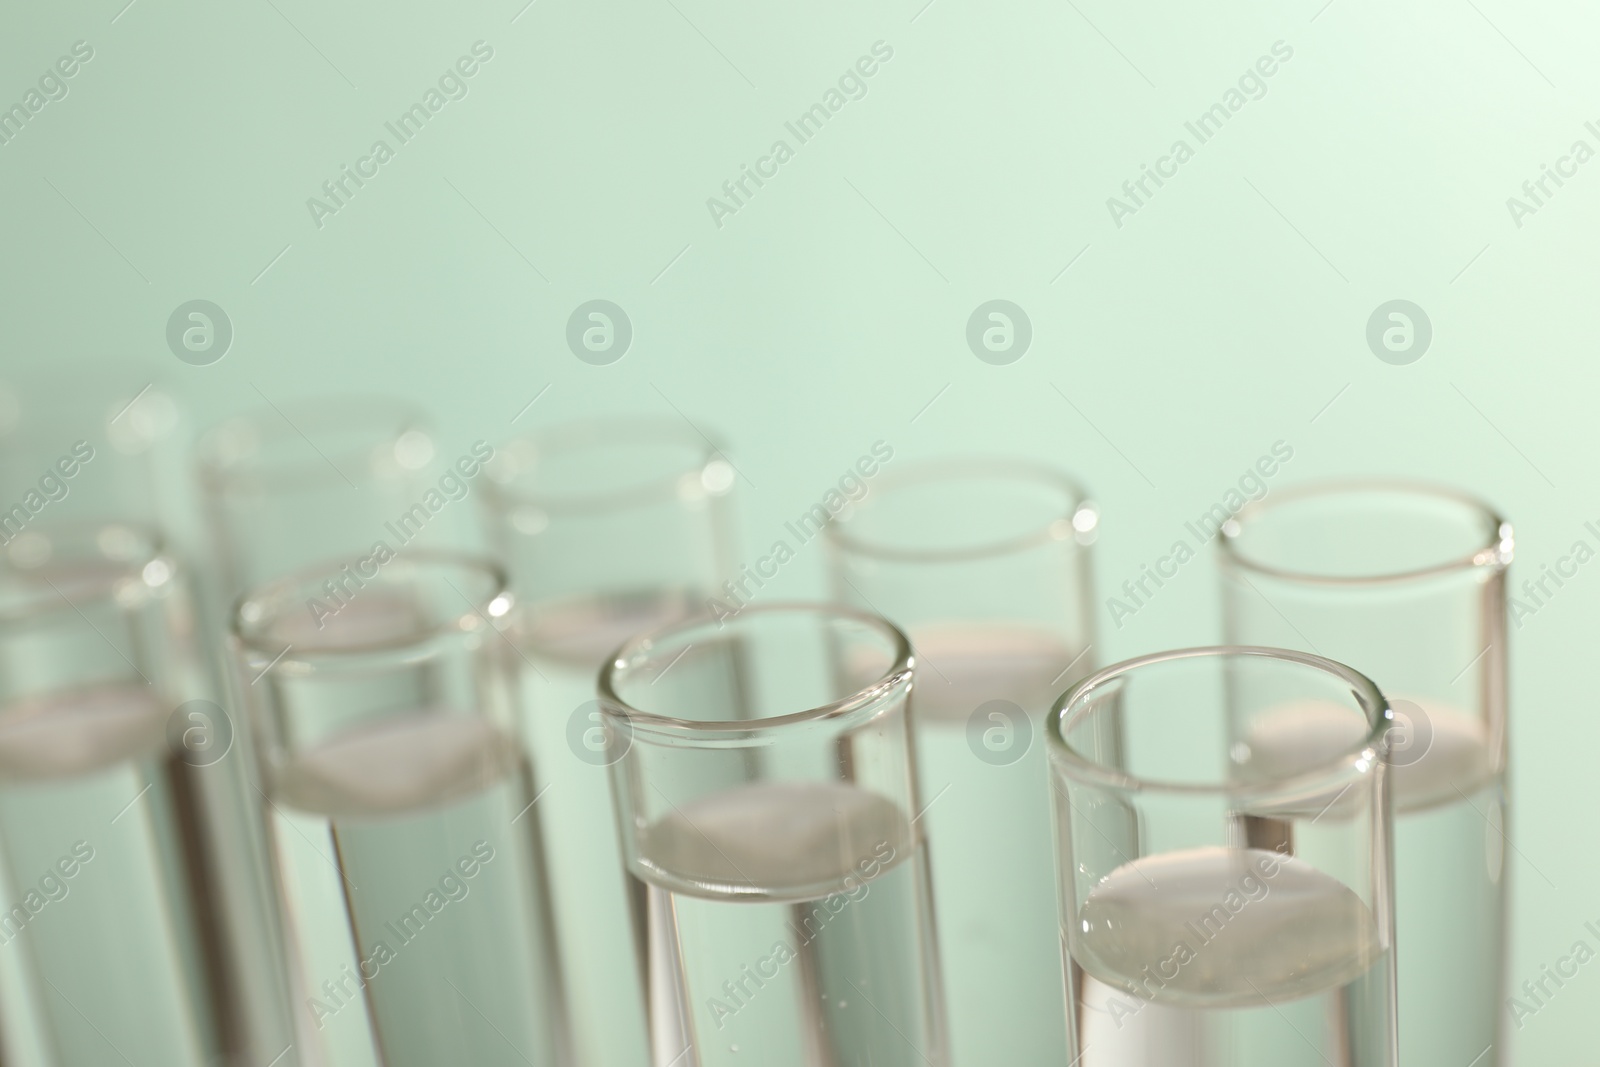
(476, 615)
(228, 477)
(153, 548)
(1494, 555)
(870, 696)
(574, 436)
(1076, 496)
(1373, 747)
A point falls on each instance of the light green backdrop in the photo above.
(1228, 312)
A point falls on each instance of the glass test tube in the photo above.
(608, 529)
(985, 564)
(1224, 903)
(112, 943)
(95, 444)
(403, 821)
(765, 797)
(340, 479)
(1407, 583)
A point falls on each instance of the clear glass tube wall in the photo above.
(113, 939)
(1225, 879)
(1407, 584)
(405, 832)
(762, 768)
(608, 529)
(985, 564)
(85, 445)
(302, 481)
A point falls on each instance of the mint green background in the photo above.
(832, 309)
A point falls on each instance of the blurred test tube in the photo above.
(608, 529)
